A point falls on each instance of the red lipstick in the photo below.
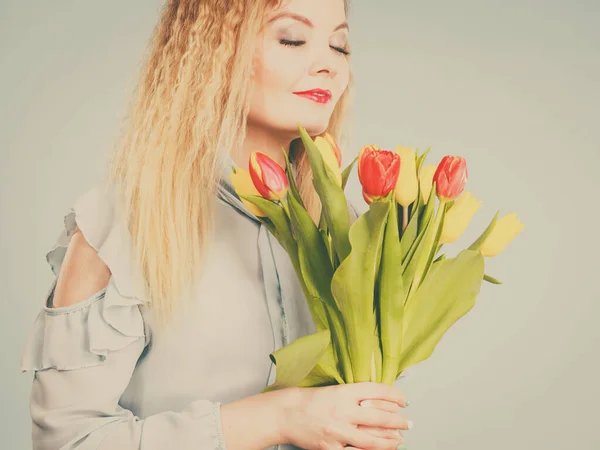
(316, 95)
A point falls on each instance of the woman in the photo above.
(136, 347)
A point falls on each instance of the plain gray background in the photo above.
(512, 86)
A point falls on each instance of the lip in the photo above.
(316, 95)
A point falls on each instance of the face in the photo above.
(301, 67)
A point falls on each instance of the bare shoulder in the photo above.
(82, 274)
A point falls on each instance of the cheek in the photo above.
(278, 71)
(343, 76)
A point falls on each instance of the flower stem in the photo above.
(425, 253)
(340, 343)
(373, 368)
(285, 206)
(404, 218)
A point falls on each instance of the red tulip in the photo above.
(450, 177)
(268, 176)
(377, 171)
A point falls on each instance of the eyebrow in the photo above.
(303, 19)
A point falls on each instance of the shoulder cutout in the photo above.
(82, 273)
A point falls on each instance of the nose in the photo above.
(324, 64)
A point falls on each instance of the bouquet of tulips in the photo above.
(380, 293)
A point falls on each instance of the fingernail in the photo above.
(410, 424)
(402, 447)
(407, 403)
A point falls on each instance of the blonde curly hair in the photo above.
(190, 103)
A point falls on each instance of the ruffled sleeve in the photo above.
(84, 355)
(81, 335)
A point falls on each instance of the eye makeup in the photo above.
(299, 43)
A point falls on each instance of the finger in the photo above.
(377, 391)
(361, 439)
(378, 418)
(387, 433)
(381, 404)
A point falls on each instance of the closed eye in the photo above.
(300, 43)
(341, 50)
(292, 43)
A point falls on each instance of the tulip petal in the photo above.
(504, 232)
(268, 176)
(242, 184)
(458, 217)
(407, 186)
(329, 158)
(426, 181)
(451, 177)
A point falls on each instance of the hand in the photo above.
(329, 417)
(386, 406)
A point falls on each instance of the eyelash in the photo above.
(299, 43)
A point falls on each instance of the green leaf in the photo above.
(292, 182)
(409, 235)
(278, 219)
(279, 225)
(440, 258)
(317, 272)
(378, 356)
(333, 199)
(297, 359)
(492, 280)
(410, 261)
(415, 230)
(353, 286)
(391, 299)
(435, 247)
(327, 241)
(325, 373)
(421, 159)
(425, 253)
(315, 263)
(481, 239)
(446, 294)
(346, 173)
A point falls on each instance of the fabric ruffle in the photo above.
(81, 335)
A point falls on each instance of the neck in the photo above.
(265, 141)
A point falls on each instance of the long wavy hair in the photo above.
(188, 108)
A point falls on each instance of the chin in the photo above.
(313, 126)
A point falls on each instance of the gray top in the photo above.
(103, 381)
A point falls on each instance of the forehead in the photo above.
(323, 12)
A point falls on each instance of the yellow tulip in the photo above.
(503, 232)
(426, 181)
(407, 186)
(242, 183)
(335, 147)
(458, 217)
(329, 156)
